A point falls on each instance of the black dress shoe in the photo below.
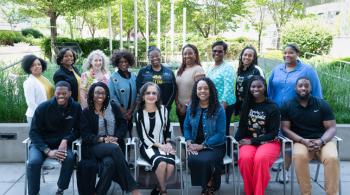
(155, 191)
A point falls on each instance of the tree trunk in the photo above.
(278, 41)
(53, 28)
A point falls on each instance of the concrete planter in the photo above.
(12, 135)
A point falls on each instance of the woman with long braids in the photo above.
(151, 125)
(103, 127)
(204, 130)
(257, 132)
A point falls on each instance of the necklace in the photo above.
(152, 117)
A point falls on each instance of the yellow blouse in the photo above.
(79, 82)
(47, 86)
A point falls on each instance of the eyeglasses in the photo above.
(151, 93)
(218, 51)
(100, 93)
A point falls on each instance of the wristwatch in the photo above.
(46, 151)
(323, 142)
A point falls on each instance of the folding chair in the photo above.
(49, 162)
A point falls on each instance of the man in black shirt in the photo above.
(310, 123)
(54, 127)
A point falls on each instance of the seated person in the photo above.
(54, 127)
(151, 124)
(310, 123)
(103, 127)
(257, 132)
(204, 130)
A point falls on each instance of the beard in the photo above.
(303, 97)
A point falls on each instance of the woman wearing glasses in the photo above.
(102, 127)
(151, 125)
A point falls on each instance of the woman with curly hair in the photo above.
(66, 59)
(247, 67)
(103, 127)
(204, 130)
(257, 133)
(37, 88)
(95, 71)
(151, 125)
(122, 85)
(189, 71)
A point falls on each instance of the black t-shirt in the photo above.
(307, 121)
(200, 133)
(262, 125)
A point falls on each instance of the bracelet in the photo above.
(46, 151)
(300, 140)
(323, 142)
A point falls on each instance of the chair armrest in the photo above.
(285, 139)
(26, 141)
(338, 139)
(76, 148)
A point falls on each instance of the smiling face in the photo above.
(123, 65)
(257, 89)
(151, 95)
(36, 69)
(62, 95)
(154, 58)
(203, 91)
(303, 89)
(290, 56)
(68, 58)
(189, 56)
(218, 53)
(248, 57)
(97, 62)
(99, 95)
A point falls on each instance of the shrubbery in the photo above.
(31, 32)
(88, 45)
(311, 36)
(8, 37)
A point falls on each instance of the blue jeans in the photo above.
(35, 161)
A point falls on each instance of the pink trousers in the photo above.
(254, 163)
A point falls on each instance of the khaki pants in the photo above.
(328, 155)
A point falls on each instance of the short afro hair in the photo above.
(27, 63)
(61, 53)
(119, 54)
(221, 43)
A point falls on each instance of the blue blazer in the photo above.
(214, 127)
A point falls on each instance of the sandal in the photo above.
(162, 192)
(210, 190)
(155, 191)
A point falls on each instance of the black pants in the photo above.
(86, 176)
(229, 111)
(181, 121)
(114, 167)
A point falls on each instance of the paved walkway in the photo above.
(12, 183)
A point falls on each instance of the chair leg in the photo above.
(43, 175)
(317, 172)
(73, 182)
(227, 170)
(25, 180)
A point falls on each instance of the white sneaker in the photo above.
(280, 178)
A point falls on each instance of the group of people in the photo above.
(101, 107)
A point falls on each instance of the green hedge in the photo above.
(311, 36)
(8, 37)
(88, 45)
(27, 32)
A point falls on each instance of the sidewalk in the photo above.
(12, 183)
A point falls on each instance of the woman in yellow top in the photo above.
(37, 88)
(95, 71)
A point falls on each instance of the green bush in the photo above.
(311, 36)
(88, 45)
(8, 37)
(31, 32)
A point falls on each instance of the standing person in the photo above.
(189, 71)
(95, 71)
(67, 71)
(283, 77)
(310, 123)
(122, 85)
(151, 121)
(160, 75)
(54, 127)
(247, 67)
(103, 129)
(204, 130)
(257, 132)
(222, 74)
(37, 88)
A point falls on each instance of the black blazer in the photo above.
(89, 128)
(63, 74)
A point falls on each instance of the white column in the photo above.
(158, 24)
(172, 24)
(147, 25)
(184, 26)
(121, 25)
(110, 29)
(135, 31)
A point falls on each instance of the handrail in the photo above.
(10, 65)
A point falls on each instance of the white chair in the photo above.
(140, 162)
(49, 162)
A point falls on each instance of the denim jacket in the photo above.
(213, 127)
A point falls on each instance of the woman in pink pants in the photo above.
(257, 132)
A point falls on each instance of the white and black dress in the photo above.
(151, 128)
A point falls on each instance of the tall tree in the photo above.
(11, 13)
(55, 8)
(282, 11)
